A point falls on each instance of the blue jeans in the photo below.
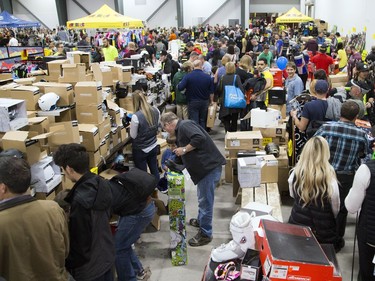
(206, 193)
(129, 228)
(142, 160)
(198, 111)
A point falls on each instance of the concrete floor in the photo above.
(154, 249)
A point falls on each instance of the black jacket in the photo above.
(205, 157)
(318, 217)
(91, 241)
(367, 216)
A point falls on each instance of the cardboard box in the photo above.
(103, 74)
(228, 171)
(278, 131)
(66, 183)
(30, 114)
(94, 158)
(104, 127)
(28, 93)
(265, 118)
(38, 124)
(5, 89)
(73, 73)
(13, 114)
(54, 69)
(295, 263)
(26, 142)
(63, 133)
(79, 57)
(46, 167)
(339, 78)
(114, 112)
(88, 93)
(104, 146)
(249, 171)
(90, 114)
(211, 116)
(269, 168)
(89, 136)
(115, 137)
(25, 81)
(63, 90)
(124, 73)
(243, 140)
(127, 103)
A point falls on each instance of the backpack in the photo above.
(254, 85)
(130, 191)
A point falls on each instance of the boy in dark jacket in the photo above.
(91, 255)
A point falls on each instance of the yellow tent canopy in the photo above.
(293, 16)
(105, 17)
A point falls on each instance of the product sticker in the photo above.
(235, 143)
(267, 265)
(279, 271)
(248, 273)
(294, 268)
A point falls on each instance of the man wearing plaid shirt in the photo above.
(348, 144)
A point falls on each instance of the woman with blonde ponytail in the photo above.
(143, 130)
(314, 187)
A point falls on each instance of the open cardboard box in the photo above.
(30, 94)
(103, 74)
(63, 90)
(89, 134)
(26, 142)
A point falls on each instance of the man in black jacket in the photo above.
(204, 163)
(92, 255)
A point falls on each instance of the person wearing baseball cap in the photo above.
(315, 110)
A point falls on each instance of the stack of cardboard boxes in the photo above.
(268, 126)
(81, 116)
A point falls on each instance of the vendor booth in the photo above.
(8, 20)
(293, 16)
(105, 17)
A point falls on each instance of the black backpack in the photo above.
(130, 191)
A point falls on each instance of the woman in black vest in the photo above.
(143, 130)
(314, 187)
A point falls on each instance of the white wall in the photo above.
(231, 10)
(165, 17)
(273, 6)
(75, 12)
(45, 10)
(358, 15)
(142, 11)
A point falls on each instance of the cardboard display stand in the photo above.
(177, 218)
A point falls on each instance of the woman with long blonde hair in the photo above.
(314, 187)
(143, 130)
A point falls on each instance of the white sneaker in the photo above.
(226, 252)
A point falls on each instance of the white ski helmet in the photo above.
(48, 101)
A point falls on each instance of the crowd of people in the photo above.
(324, 187)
